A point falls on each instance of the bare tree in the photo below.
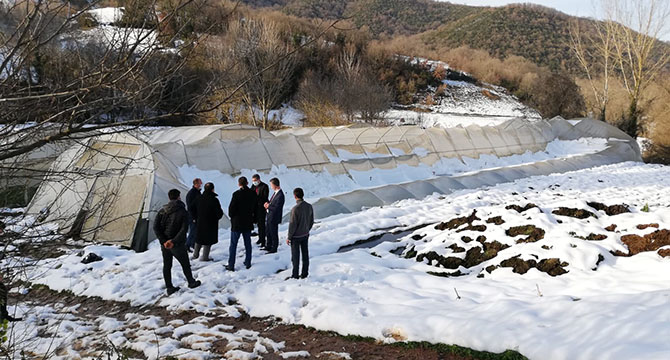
(593, 47)
(624, 46)
(258, 45)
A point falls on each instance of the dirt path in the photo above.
(319, 344)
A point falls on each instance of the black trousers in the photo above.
(298, 248)
(272, 236)
(260, 218)
(179, 253)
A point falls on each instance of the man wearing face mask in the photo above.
(262, 192)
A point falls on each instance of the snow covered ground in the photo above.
(70, 332)
(445, 120)
(609, 308)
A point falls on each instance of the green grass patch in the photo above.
(461, 351)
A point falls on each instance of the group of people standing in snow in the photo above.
(194, 226)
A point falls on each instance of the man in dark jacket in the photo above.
(302, 220)
(241, 211)
(4, 314)
(274, 208)
(209, 213)
(262, 192)
(170, 227)
(192, 198)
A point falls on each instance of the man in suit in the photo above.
(192, 198)
(241, 211)
(274, 208)
(170, 227)
(262, 193)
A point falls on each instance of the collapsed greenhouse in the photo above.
(109, 188)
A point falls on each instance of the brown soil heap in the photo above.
(457, 222)
(520, 209)
(609, 210)
(497, 220)
(646, 226)
(575, 213)
(650, 242)
(664, 253)
(553, 266)
(533, 233)
(611, 228)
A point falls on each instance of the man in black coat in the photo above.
(192, 198)
(262, 193)
(241, 211)
(209, 213)
(170, 227)
(274, 207)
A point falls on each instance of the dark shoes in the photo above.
(172, 290)
(229, 268)
(248, 266)
(296, 277)
(194, 284)
(268, 251)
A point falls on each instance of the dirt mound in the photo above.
(664, 253)
(590, 237)
(473, 257)
(520, 209)
(611, 228)
(456, 249)
(497, 220)
(596, 237)
(479, 228)
(532, 232)
(446, 262)
(553, 266)
(646, 226)
(574, 213)
(457, 222)
(650, 242)
(609, 210)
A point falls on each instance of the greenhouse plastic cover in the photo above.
(122, 179)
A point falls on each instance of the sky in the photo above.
(583, 8)
(573, 7)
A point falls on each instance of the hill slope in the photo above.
(539, 34)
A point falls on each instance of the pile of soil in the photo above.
(532, 232)
(650, 242)
(574, 213)
(611, 210)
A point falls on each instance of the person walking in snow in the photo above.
(302, 220)
(170, 227)
(262, 193)
(274, 208)
(192, 198)
(241, 212)
(207, 224)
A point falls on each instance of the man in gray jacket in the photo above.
(302, 220)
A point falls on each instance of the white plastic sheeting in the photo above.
(122, 180)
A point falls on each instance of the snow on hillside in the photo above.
(460, 101)
(107, 15)
(587, 304)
